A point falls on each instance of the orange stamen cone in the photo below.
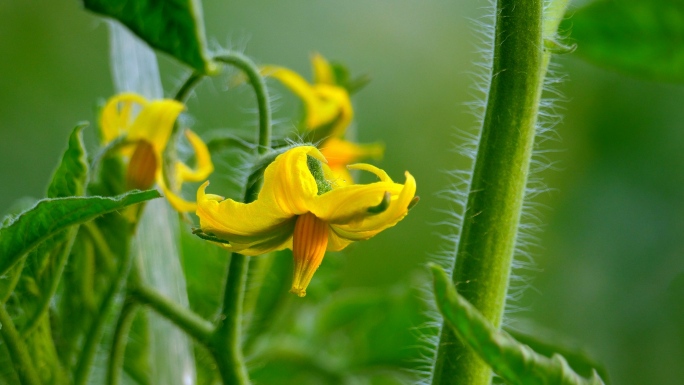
(309, 242)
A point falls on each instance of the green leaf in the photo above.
(172, 26)
(44, 266)
(70, 177)
(548, 342)
(644, 38)
(51, 216)
(516, 363)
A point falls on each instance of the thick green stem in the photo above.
(116, 354)
(17, 349)
(226, 343)
(490, 227)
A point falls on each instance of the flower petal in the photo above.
(251, 228)
(155, 123)
(203, 160)
(322, 70)
(178, 203)
(116, 115)
(340, 153)
(367, 225)
(288, 183)
(320, 109)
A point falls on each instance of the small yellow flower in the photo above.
(147, 127)
(329, 110)
(301, 208)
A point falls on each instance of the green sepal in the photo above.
(175, 27)
(343, 78)
(51, 216)
(516, 363)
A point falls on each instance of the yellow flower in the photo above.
(329, 110)
(147, 127)
(301, 208)
(326, 103)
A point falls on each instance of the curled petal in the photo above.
(116, 115)
(178, 203)
(371, 224)
(381, 174)
(203, 160)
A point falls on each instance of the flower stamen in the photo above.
(309, 242)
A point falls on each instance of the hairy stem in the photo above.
(17, 349)
(490, 227)
(226, 343)
(257, 81)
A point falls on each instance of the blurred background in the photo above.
(611, 246)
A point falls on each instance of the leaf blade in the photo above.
(640, 38)
(175, 27)
(50, 216)
(516, 363)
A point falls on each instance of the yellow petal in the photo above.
(340, 153)
(372, 224)
(115, 119)
(288, 183)
(350, 204)
(203, 160)
(321, 108)
(178, 203)
(322, 70)
(252, 229)
(155, 123)
(267, 223)
(335, 103)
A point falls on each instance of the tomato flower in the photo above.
(301, 208)
(146, 136)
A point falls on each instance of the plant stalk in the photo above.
(194, 325)
(23, 364)
(226, 343)
(497, 188)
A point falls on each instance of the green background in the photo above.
(612, 239)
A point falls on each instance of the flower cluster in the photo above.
(308, 202)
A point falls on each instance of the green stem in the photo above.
(226, 343)
(94, 335)
(17, 349)
(490, 227)
(184, 92)
(257, 81)
(62, 258)
(194, 325)
(116, 354)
